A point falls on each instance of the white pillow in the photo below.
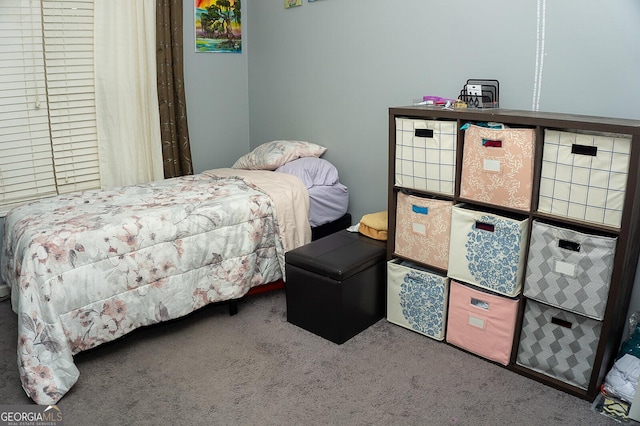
(271, 155)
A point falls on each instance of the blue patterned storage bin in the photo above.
(487, 250)
(417, 298)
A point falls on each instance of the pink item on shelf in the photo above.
(437, 100)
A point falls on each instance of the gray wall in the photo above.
(329, 70)
(216, 86)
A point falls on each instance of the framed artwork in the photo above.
(218, 25)
(292, 3)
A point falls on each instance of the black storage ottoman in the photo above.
(336, 285)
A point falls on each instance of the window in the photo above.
(48, 140)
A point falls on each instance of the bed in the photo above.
(87, 268)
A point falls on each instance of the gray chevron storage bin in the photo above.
(558, 344)
(569, 270)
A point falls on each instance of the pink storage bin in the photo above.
(481, 322)
(423, 229)
(497, 166)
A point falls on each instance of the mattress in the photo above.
(327, 203)
(328, 198)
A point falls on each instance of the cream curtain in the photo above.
(128, 121)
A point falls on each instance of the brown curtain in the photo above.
(176, 149)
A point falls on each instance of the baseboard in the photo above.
(4, 292)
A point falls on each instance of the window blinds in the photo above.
(26, 163)
(48, 141)
(68, 48)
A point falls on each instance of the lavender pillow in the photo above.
(311, 171)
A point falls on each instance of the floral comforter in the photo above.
(87, 268)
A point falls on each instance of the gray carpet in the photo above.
(256, 369)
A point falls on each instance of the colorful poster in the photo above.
(218, 26)
(292, 3)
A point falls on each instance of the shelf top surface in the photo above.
(549, 119)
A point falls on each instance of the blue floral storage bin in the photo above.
(488, 250)
(417, 298)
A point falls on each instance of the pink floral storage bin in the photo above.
(426, 155)
(481, 322)
(584, 176)
(423, 228)
(497, 166)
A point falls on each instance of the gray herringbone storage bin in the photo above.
(558, 343)
(569, 269)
